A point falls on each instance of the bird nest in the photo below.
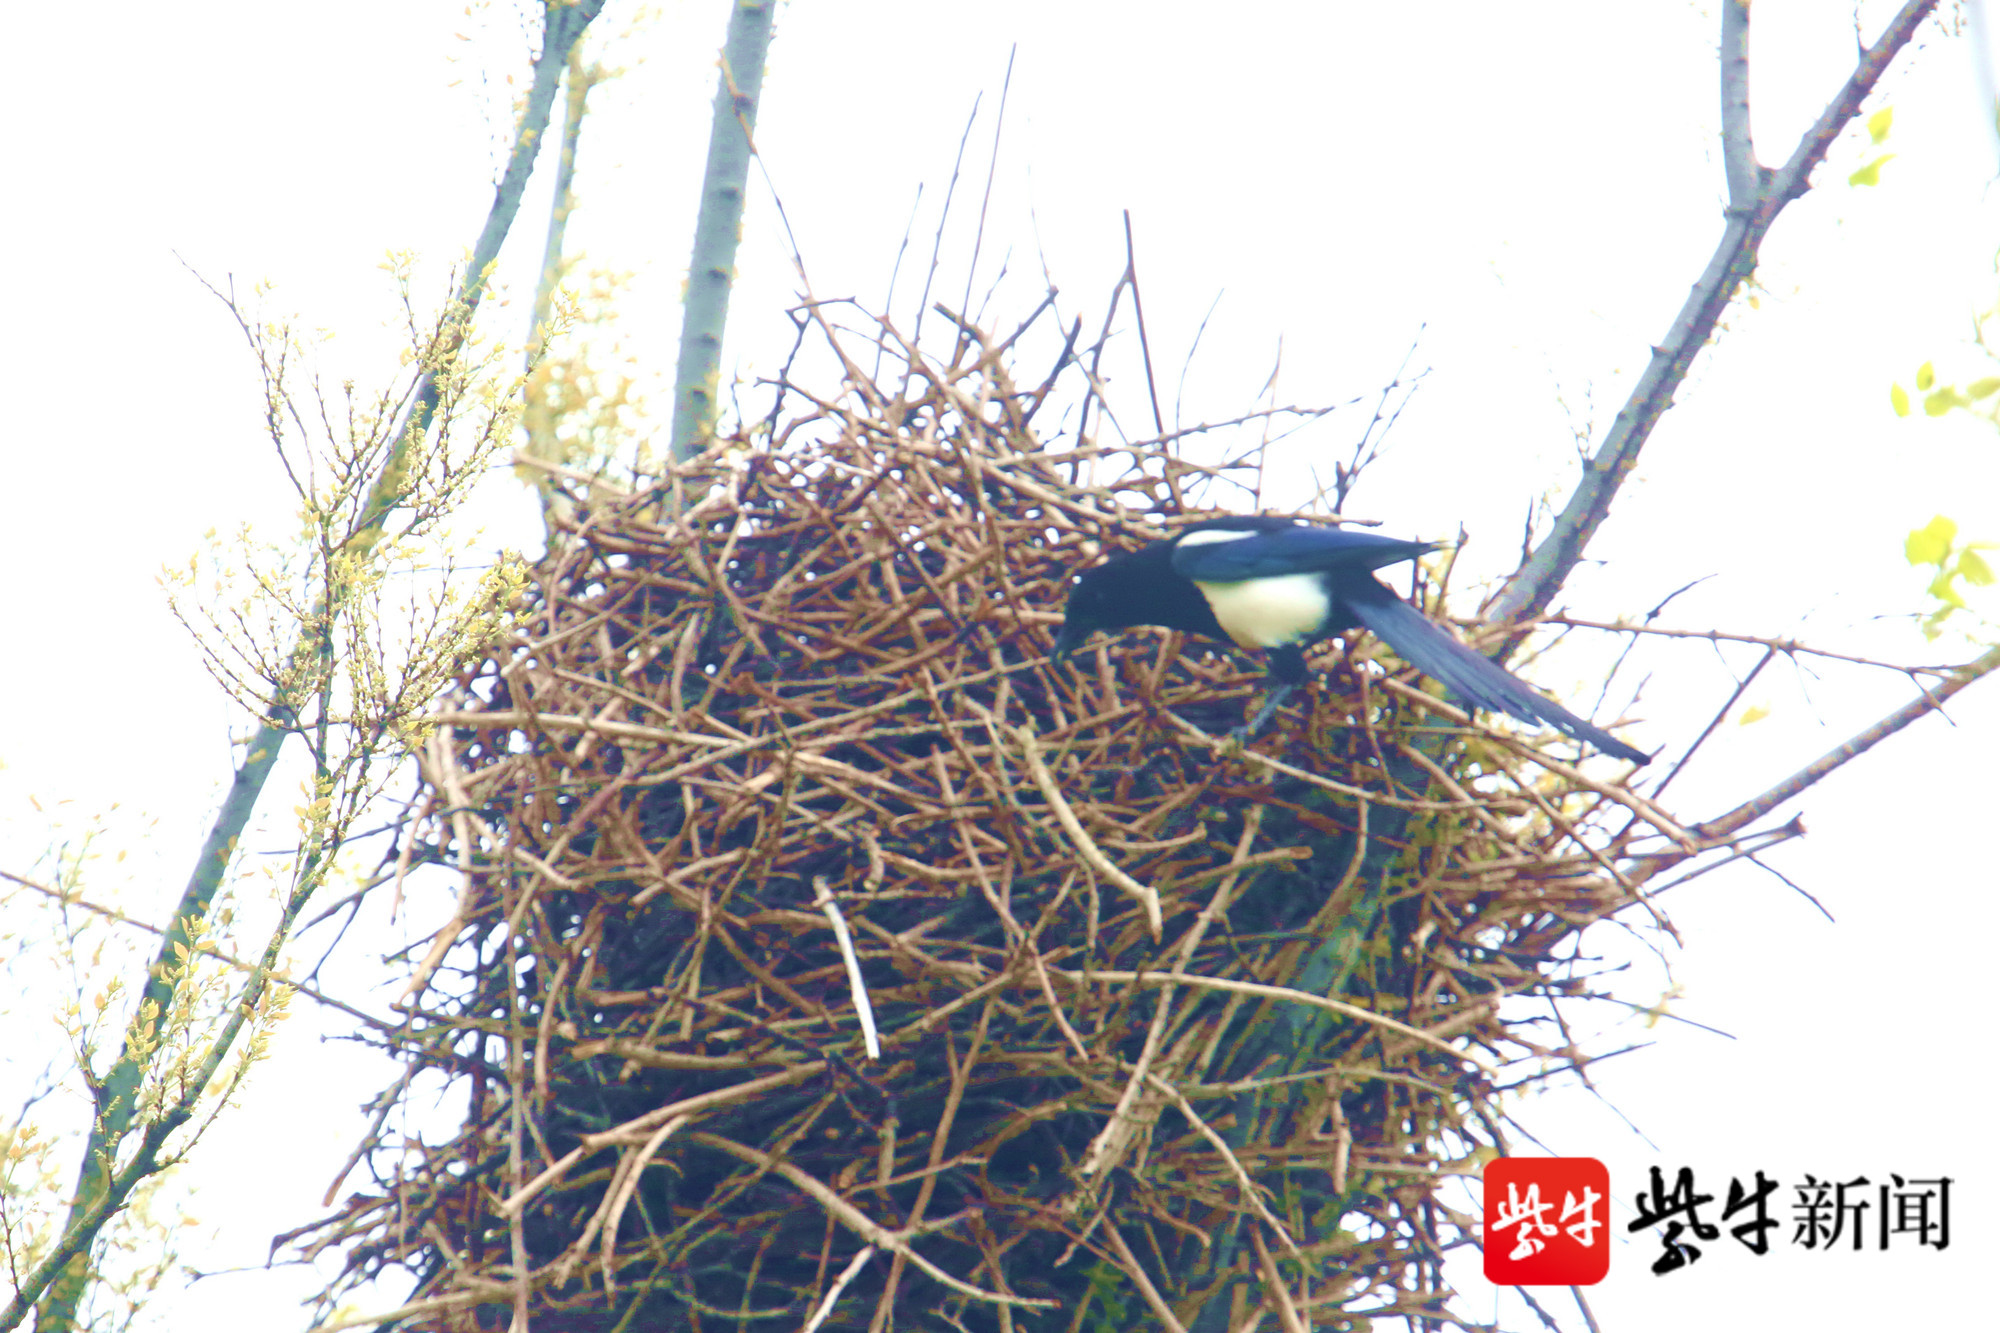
(825, 957)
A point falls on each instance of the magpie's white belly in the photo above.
(1270, 612)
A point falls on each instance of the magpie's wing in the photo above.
(1225, 555)
(1470, 675)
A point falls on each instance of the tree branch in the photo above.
(60, 1289)
(1718, 831)
(205, 950)
(1739, 153)
(1927, 702)
(537, 415)
(718, 227)
(1535, 583)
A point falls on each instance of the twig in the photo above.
(859, 1222)
(992, 166)
(847, 1275)
(1722, 712)
(1187, 362)
(1137, 1272)
(205, 950)
(1146, 897)
(1139, 316)
(1274, 1286)
(937, 238)
(1789, 647)
(823, 898)
(1861, 742)
(1340, 1007)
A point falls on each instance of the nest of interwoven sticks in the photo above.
(1171, 1033)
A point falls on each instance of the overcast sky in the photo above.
(1533, 186)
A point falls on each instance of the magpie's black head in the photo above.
(1140, 588)
(1092, 607)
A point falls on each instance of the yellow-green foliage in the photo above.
(588, 398)
(342, 630)
(70, 956)
(1956, 567)
(352, 623)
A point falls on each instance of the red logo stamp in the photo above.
(1548, 1221)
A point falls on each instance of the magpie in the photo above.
(1277, 585)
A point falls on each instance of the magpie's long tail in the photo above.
(1474, 678)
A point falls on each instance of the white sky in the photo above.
(1537, 184)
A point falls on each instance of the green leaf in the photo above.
(1899, 400)
(1975, 569)
(1942, 589)
(1941, 402)
(1878, 124)
(1870, 174)
(1930, 544)
(1985, 388)
(1925, 377)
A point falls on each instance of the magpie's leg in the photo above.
(1272, 702)
(1288, 668)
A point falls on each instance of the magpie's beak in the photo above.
(1072, 637)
